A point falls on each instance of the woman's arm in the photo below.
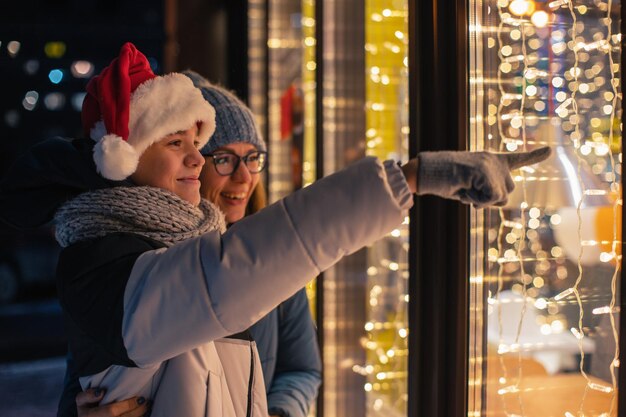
(298, 363)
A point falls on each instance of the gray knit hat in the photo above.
(234, 121)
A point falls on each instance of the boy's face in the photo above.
(174, 164)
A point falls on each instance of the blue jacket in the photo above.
(290, 357)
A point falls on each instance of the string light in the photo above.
(309, 89)
(570, 83)
(539, 18)
(387, 138)
(558, 3)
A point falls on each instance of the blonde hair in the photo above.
(258, 199)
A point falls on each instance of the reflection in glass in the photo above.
(545, 269)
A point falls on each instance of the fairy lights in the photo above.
(309, 90)
(551, 258)
(386, 134)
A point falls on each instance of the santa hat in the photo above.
(127, 108)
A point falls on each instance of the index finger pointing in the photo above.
(521, 159)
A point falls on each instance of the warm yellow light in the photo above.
(599, 387)
(564, 294)
(577, 333)
(540, 19)
(557, 3)
(521, 7)
(606, 257)
(545, 329)
(55, 49)
(541, 303)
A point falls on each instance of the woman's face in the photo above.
(174, 164)
(230, 193)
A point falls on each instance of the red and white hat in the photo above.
(127, 108)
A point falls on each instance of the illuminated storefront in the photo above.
(502, 312)
(548, 265)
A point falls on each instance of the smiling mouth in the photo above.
(234, 196)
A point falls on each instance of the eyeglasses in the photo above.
(227, 162)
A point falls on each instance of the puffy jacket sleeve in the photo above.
(214, 285)
(298, 364)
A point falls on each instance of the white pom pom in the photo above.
(115, 158)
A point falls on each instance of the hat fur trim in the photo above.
(165, 105)
(115, 158)
(158, 107)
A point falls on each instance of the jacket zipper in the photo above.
(249, 413)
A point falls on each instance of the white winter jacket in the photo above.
(154, 321)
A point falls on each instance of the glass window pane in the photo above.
(285, 97)
(545, 271)
(386, 114)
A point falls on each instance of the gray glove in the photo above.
(479, 178)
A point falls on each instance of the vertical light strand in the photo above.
(576, 138)
(615, 188)
(511, 145)
(499, 78)
(505, 374)
(500, 122)
(386, 120)
(309, 67)
(522, 240)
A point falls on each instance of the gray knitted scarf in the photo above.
(148, 211)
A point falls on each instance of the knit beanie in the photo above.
(128, 108)
(233, 119)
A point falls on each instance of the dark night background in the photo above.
(207, 36)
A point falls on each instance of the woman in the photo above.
(285, 338)
(150, 282)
